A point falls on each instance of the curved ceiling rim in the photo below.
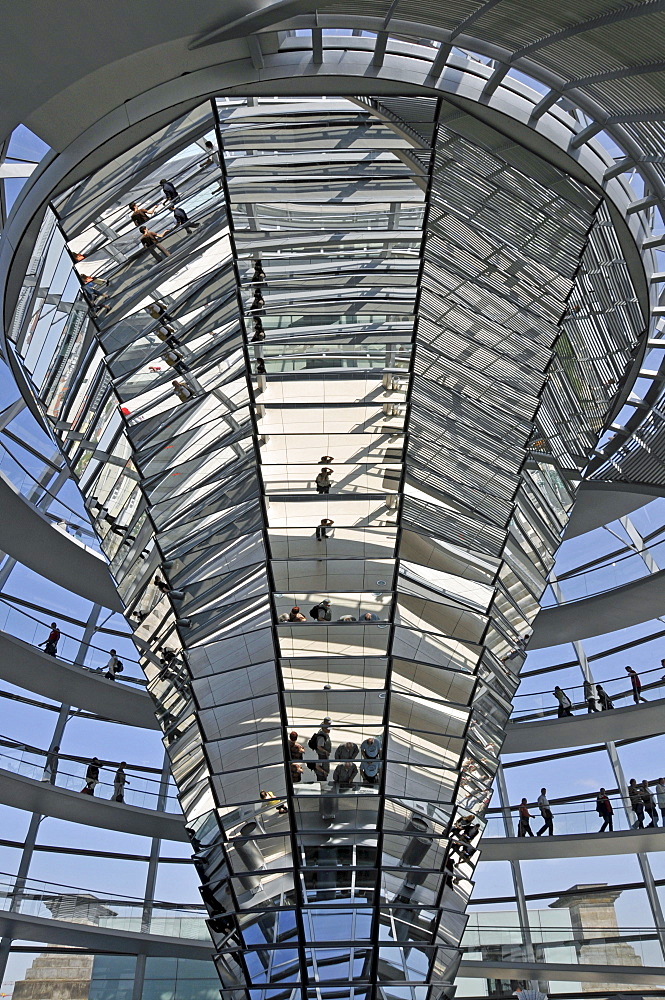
(139, 118)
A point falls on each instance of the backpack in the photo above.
(311, 742)
(119, 666)
(314, 612)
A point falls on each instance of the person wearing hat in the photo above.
(321, 612)
(295, 615)
(370, 765)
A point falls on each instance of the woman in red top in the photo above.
(524, 827)
(51, 644)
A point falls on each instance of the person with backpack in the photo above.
(91, 777)
(321, 612)
(603, 697)
(605, 811)
(321, 744)
(114, 666)
(51, 644)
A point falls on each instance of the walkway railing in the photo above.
(55, 901)
(30, 762)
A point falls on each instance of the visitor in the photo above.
(259, 273)
(296, 771)
(296, 750)
(369, 616)
(260, 366)
(114, 666)
(295, 615)
(321, 612)
(520, 648)
(93, 291)
(529, 994)
(605, 811)
(323, 747)
(565, 704)
(326, 459)
(546, 813)
(267, 796)
(212, 156)
(604, 698)
(344, 774)
(182, 219)
(51, 643)
(324, 529)
(524, 826)
(636, 685)
(346, 618)
(346, 751)
(139, 215)
(119, 783)
(91, 777)
(258, 301)
(636, 804)
(323, 481)
(649, 804)
(51, 765)
(589, 697)
(150, 241)
(660, 798)
(183, 391)
(169, 192)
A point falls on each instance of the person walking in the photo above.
(140, 215)
(119, 783)
(324, 529)
(169, 192)
(51, 765)
(636, 685)
(649, 803)
(295, 615)
(323, 481)
(150, 241)
(603, 697)
(182, 219)
(114, 666)
(51, 644)
(524, 826)
(660, 797)
(91, 777)
(636, 804)
(590, 698)
(605, 811)
(546, 813)
(321, 612)
(565, 704)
